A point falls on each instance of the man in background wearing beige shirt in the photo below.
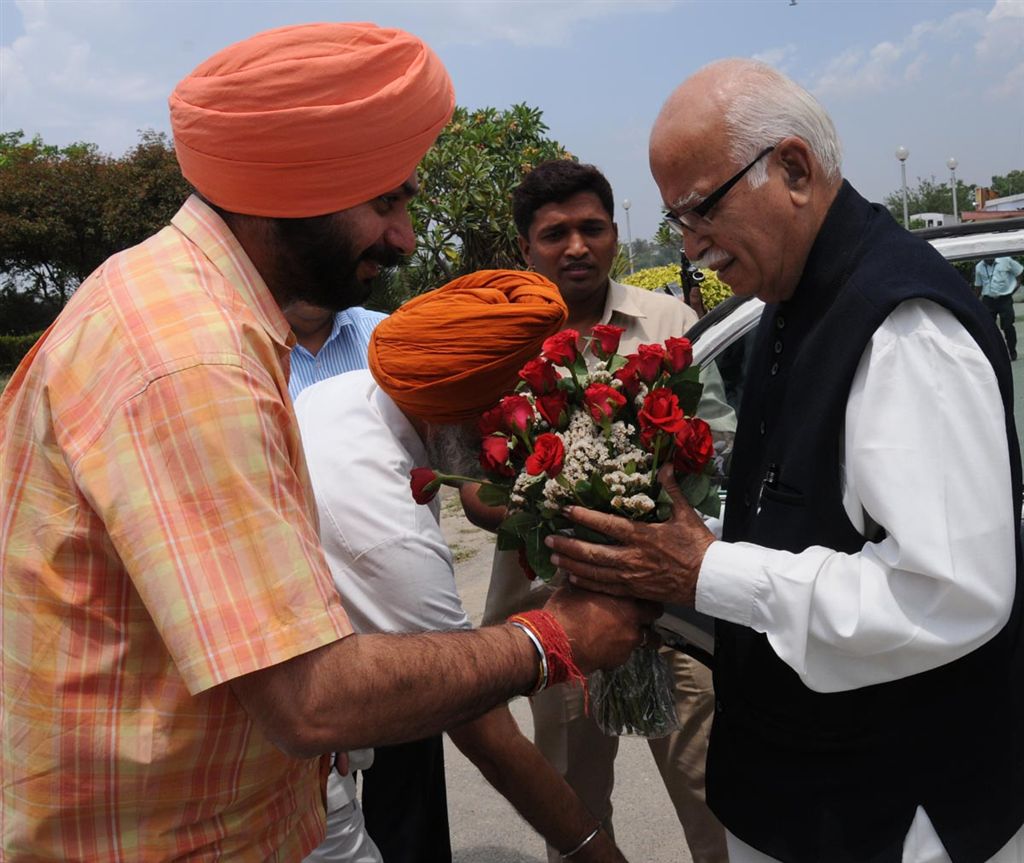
(564, 214)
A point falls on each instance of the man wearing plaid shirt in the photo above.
(173, 653)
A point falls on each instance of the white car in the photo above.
(722, 335)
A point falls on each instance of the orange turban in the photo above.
(308, 120)
(449, 355)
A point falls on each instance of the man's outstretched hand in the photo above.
(655, 561)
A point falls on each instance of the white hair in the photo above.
(453, 448)
(766, 107)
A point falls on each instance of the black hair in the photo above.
(556, 181)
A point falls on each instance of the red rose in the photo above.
(649, 358)
(603, 401)
(553, 408)
(420, 479)
(660, 413)
(678, 354)
(694, 446)
(547, 456)
(494, 454)
(540, 375)
(516, 412)
(629, 374)
(561, 347)
(492, 421)
(605, 340)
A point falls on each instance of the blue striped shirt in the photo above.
(344, 350)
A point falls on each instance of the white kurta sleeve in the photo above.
(926, 458)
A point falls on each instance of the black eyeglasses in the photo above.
(698, 214)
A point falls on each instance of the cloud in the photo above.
(529, 23)
(70, 74)
(929, 50)
(780, 58)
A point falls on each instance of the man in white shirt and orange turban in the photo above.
(175, 662)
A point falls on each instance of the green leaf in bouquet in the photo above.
(538, 555)
(519, 523)
(688, 392)
(616, 362)
(560, 522)
(569, 385)
(534, 491)
(579, 367)
(493, 495)
(602, 493)
(508, 541)
(586, 494)
(663, 505)
(712, 503)
(695, 487)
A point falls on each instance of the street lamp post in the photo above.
(901, 154)
(951, 163)
(626, 204)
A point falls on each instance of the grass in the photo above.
(3, 381)
(461, 552)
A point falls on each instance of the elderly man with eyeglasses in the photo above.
(868, 581)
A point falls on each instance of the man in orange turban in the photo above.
(436, 365)
(175, 656)
(448, 355)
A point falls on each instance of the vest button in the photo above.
(778, 346)
(780, 323)
(775, 368)
(763, 427)
(746, 499)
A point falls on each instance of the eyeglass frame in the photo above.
(675, 221)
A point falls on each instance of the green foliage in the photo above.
(652, 278)
(651, 253)
(13, 348)
(1008, 184)
(463, 213)
(712, 290)
(63, 211)
(930, 196)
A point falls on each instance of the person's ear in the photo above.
(800, 168)
(524, 250)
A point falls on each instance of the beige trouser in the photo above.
(585, 756)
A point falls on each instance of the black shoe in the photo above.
(1013, 356)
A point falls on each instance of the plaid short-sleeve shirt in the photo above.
(157, 539)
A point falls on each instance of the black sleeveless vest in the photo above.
(809, 777)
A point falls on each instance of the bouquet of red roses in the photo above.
(595, 436)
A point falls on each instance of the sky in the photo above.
(943, 79)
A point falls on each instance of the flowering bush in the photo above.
(712, 290)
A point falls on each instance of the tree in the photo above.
(63, 211)
(930, 196)
(1008, 184)
(463, 213)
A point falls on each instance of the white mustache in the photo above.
(711, 259)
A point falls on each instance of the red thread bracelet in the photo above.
(561, 666)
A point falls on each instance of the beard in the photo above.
(452, 449)
(317, 260)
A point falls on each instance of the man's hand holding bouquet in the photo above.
(595, 437)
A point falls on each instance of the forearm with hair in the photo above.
(373, 690)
